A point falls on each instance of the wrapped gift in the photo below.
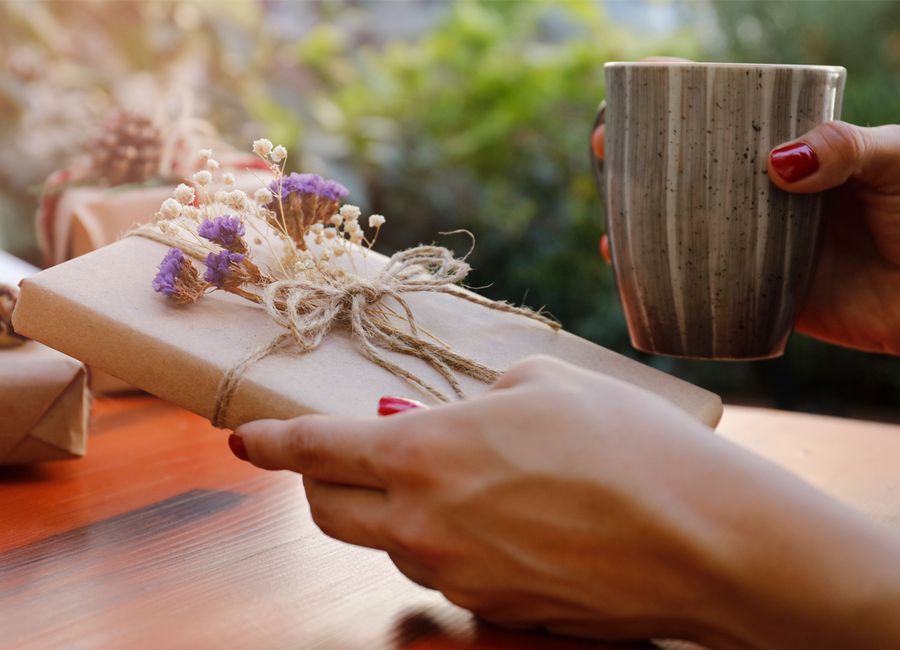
(308, 318)
(128, 174)
(44, 405)
(78, 219)
(104, 313)
(126, 171)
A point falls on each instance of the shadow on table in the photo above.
(23, 474)
(422, 631)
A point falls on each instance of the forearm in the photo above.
(805, 571)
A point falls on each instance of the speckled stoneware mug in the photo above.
(710, 257)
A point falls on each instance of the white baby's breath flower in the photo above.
(263, 196)
(228, 178)
(330, 233)
(220, 197)
(190, 212)
(205, 153)
(278, 154)
(376, 221)
(184, 194)
(318, 240)
(336, 219)
(262, 147)
(264, 213)
(356, 237)
(236, 199)
(202, 177)
(350, 212)
(324, 256)
(170, 208)
(352, 227)
(212, 165)
(338, 251)
(316, 228)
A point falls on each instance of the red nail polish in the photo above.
(794, 161)
(604, 249)
(598, 141)
(392, 405)
(236, 443)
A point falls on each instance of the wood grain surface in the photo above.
(159, 538)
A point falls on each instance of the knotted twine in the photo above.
(308, 310)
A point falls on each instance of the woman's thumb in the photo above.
(834, 152)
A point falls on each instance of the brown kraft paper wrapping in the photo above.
(85, 218)
(101, 309)
(44, 405)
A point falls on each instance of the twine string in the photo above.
(309, 309)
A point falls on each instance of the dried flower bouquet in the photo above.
(296, 250)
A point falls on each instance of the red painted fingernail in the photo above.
(604, 249)
(392, 405)
(236, 443)
(794, 161)
(598, 141)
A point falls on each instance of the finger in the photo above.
(336, 449)
(834, 152)
(530, 369)
(350, 514)
(604, 249)
(598, 140)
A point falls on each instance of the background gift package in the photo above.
(44, 405)
(82, 218)
(76, 220)
(101, 309)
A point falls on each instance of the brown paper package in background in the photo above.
(86, 218)
(101, 309)
(44, 405)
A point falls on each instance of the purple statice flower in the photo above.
(313, 184)
(164, 282)
(302, 200)
(178, 279)
(226, 231)
(333, 190)
(221, 269)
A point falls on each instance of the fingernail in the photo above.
(598, 141)
(794, 161)
(604, 249)
(236, 443)
(392, 405)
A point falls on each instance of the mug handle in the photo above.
(597, 164)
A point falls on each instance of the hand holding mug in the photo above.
(854, 294)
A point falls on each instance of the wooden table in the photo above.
(159, 538)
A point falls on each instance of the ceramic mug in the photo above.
(711, 259)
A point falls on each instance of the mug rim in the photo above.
(714, 64)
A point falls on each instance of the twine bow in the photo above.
(309, 309)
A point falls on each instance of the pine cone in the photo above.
(128, 151)
(8, 336)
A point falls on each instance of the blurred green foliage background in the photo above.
(442, 115)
